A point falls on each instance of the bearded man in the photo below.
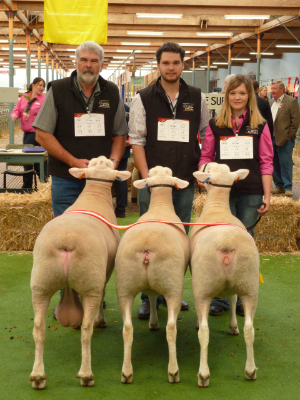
(77, 122)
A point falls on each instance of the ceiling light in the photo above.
(135, 44)
(240, 59)
(149, 15)
(19, 55)
(247, 16)
(129, 51)
(4, 41)
(187, 52)
(218, 34)
(263, 54)
(212, 66)
(193, 44)
(220, 63)
(116, 62)
(15, 48)
(292, 46)
(69, 50)
(144, 33)
(120, 58)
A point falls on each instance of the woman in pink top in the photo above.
(27, 109)
(240, 138)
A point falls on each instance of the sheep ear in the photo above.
(241, 173)
(202, 176)
(180, 184)
(77, 172)
(140, 184)
(123, 175)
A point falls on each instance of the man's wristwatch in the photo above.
(114, 160)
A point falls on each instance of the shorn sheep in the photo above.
(152, 258)
(76, 252)
(224, 262)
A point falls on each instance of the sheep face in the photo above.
(219, 174)
(160, 176)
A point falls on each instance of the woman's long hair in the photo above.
(224, 118)
(35, 82)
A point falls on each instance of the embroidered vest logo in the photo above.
(104, 104)
(188, 106)
(250, 131)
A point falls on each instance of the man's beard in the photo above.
(87, 76)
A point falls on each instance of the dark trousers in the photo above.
(29, 138)
(121, 189)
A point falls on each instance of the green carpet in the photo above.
(276, 346)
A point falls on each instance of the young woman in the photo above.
(263, 92)
(27, 109)
(240, 138)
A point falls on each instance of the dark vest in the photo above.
(181, 158)
(69, 101)
(253, 182)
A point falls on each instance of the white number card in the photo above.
(240, 147)
(89, 125)
(173, 130)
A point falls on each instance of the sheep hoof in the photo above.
(101, 324)
(86, 380)
(174, 378)
(153, 327)
(38, 382)
(251, 376)
(203, 382)
(126, 378)
(234, 330)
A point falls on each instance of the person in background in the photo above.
(240, 118)
(27, 108)
(226, 81)
(121, 187)
(264, 107)
(170, 99)
(263, 93)
(70, 104)
(286, 118)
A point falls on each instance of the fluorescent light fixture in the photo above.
(291, 46)
(218, 34)
(220, 63)
(149, 15)
(1, 59)
(128, 51)
(145, 33)
(247, 16)
(19, 55)
(15, 48)
(263, 54)
(69, 50)
(187, 52)
(212, 66)
(135, 44)
(4, 41)
(240, 59)
(199, 69)
(193, 44)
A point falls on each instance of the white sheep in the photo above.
(224, 262)
(76, 252)
(152, 258)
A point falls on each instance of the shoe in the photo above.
(288, 193)
(184, 305)
(144, 310)
(240, 310)
(277, 191)
(216, 310)
(54, 313)
(120, 215)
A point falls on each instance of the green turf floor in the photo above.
(276, 346)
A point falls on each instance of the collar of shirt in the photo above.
(280, 99)
(79, 87)
(242, 118)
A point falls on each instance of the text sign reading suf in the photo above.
(214, 101)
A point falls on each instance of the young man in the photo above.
(286, 118)
(172, 100)
(67, 137)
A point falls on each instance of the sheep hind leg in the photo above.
(250, 368)
(173, 311)
(90, 307)
(126, 308)
(153, 320)
(233, 325)
(40, 305)
(100, 321)
(203, 335)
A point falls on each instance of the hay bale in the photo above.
(22, 216)
(279, 230)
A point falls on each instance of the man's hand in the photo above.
(80, 163)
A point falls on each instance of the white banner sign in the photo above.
(214, 100)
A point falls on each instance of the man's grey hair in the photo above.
(91, 46)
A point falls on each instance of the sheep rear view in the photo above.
(225, 263)
(152, 258)
(76, 252)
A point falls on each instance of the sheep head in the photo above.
(100, 168)
(219, 174)
(160, 176)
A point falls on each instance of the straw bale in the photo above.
(278, 230)
(22, 216)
